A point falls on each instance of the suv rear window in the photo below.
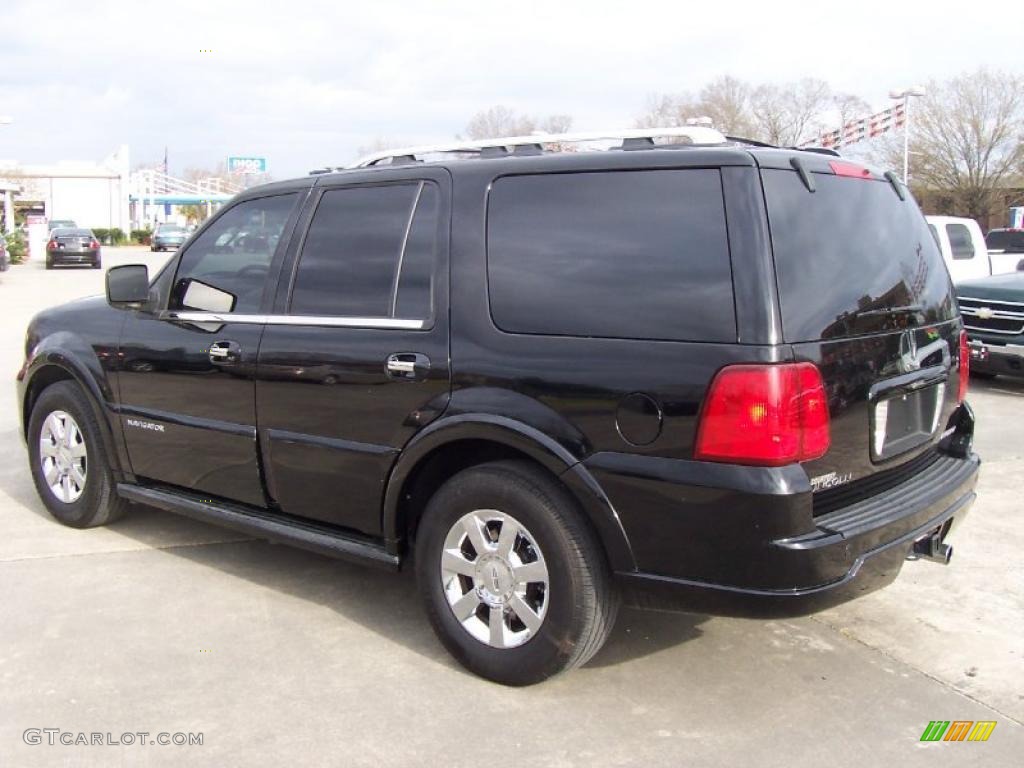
(626, 254)
(848, 250)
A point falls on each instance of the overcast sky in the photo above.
(307, 83)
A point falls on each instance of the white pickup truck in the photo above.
(965, 252)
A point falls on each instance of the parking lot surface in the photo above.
(277, 656)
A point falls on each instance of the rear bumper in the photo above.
(871, 570)
(61, 256)
(1005, 358)
(745, 541)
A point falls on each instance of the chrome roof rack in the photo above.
(497, 147)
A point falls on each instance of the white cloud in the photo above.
(307, 82)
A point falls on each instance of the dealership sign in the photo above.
(247, 165)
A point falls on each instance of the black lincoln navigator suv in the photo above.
(711, 375)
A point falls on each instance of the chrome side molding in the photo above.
(392, 323)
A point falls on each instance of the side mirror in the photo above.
(128, 285)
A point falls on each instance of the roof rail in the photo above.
(696, 134)
(765, 145)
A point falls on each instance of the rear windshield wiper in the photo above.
(909, 309)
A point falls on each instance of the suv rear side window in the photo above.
(233, 254)
(370, 252)
(960, 241)
(624, 254)
(847, 252)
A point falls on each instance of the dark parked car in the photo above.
(708, 376)
(168, 236)
(73, 246)
(993, 311)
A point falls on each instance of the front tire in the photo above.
(68, 461)
(515, 582)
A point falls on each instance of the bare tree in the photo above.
(499, 121)
(727, 102)
(967, 138)
(668, 110)
(556, 124)
(784, 114)
(849, 107)
(788, 114)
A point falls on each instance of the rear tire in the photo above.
(568, 597)
(97, 264)
(89, 497)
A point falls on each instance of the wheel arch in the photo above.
(466, 440)
(52, 367)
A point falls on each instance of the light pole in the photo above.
(906, 95)
(8, 207)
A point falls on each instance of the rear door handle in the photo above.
(225, 352)
(408, 365)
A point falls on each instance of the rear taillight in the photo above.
(94, 244)
(965, 368)
(768, 415)
(52, 245)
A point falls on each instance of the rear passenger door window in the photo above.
(623, 254)
(960, 242)
(369, 253)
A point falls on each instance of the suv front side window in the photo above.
(225, 269)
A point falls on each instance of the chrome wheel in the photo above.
(495, 578)
(63, 456)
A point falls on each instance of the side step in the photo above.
(321, 539)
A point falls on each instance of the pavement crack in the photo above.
(896, 660)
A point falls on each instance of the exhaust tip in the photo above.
(945, 553)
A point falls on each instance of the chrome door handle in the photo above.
(410, 366)
(401, 366)
(225, 352)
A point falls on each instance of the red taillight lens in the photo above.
(767, 415)
(52, 245)
(94, 244)
(965, 368)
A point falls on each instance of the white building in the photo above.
(90, 194)
(106, 194)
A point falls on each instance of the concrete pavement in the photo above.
(161, 624)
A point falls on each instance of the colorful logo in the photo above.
(958, 730)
